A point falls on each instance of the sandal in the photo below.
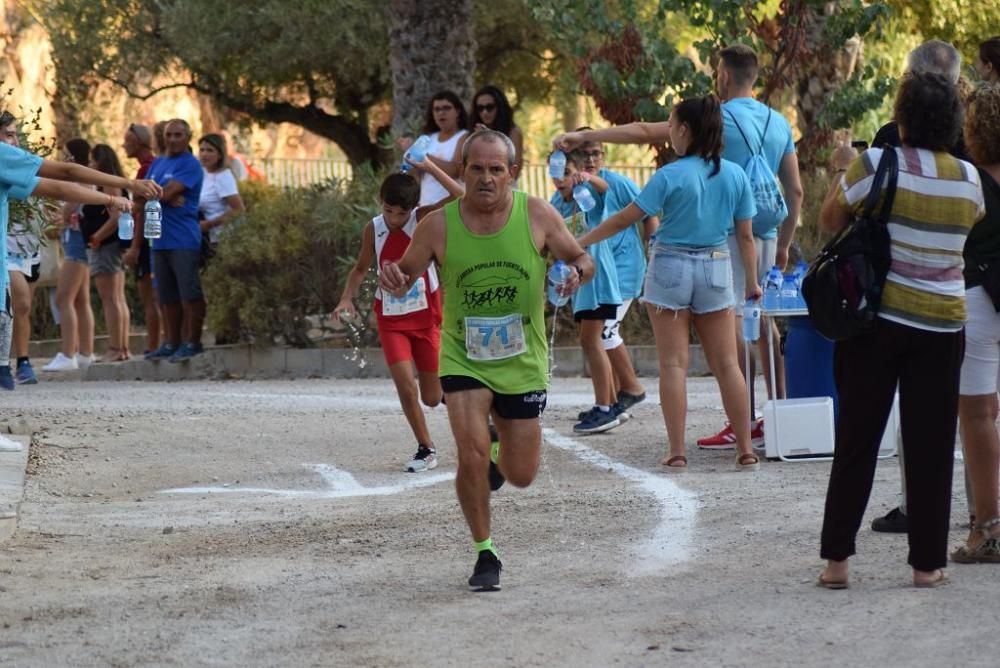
(986, 552)
(747, 462)
(831, 583)
(941, 579)
(675, 463)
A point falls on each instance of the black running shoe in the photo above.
(893, 521)
(496, 478)
(486, 574)
(628, 400)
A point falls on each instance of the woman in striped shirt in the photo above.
(919, 341)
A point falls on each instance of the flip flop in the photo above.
(675, 464)
(941, 580)
(831, 584)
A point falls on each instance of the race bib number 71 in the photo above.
(494, 338)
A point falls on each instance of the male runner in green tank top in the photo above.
(494, 356)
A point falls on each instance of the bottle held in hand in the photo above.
(559, 273)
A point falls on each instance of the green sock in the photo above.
(485, 545)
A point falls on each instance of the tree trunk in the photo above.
(432, 47)
(817, 83)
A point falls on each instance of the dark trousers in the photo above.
(926, 365)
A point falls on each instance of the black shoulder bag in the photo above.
(843, 287)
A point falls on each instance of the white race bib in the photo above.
(494, 338)
(413, 301)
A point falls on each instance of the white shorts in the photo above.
(981, 366)
(767, 250)
(610, 337)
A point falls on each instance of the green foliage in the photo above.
(964, 23)
(280, 272)
(863, 92)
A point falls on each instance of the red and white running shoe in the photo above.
(726, 439)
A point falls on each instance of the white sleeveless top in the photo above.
(382, 234)
(431, 190)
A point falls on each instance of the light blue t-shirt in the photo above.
(751, 116)
(630, 257)
(181, 230)
(603, 288)
(18, 179)
(698, 210)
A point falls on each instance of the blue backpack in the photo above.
(771, 207)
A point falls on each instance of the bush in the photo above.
(279, 273)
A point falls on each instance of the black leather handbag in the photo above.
(843, 287)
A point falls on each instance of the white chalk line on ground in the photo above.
(671, 542)
(339, 484)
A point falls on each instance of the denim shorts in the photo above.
(73, 245)
(700, 279)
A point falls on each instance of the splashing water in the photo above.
(552, 342)
(354, 335)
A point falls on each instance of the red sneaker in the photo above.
(757, 434)
(726, 439)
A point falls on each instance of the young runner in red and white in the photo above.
(409, 327)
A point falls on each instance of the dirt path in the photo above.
(297, 540)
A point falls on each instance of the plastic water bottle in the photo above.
(559, 273)
(801, 268)
(417, 153)
(153, 227)
(557, 165)
(772, 289)
(789, 292)
(126, 226)
(751, 320)
(584, 198)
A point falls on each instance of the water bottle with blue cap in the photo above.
(416, 153)
(559, 273)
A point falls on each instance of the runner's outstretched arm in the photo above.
(357, 275)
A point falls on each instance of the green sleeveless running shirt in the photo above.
(493, 327)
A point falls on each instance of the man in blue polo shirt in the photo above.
(177, 253)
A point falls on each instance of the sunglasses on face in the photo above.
(486, 107)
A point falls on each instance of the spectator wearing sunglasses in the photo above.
(492, 111)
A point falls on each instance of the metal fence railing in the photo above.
(298, 172)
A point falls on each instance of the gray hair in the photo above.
(491, 136)
(936, 57)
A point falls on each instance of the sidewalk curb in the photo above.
(246, 361)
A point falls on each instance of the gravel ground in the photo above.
(270, 523)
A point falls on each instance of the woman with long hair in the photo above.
(76, 317)
(100, 230)
(689, 278)
(445, 125)
(492, 111)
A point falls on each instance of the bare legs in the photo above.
(151, 310)
(671, 330)
(597, 360)
(977, 416)
(406, 388)
(468, 411)
(108, 287)
(21, 293)
(76, 317)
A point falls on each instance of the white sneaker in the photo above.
(61, 363)
(424, 460)
(83, 361)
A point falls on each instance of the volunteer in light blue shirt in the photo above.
(18, 179)
(689, 278)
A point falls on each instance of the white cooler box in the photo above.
(805, 429)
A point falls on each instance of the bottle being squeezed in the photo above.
(558, 274)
